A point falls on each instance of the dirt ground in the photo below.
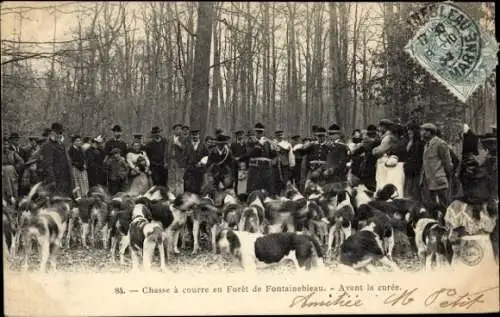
(79, 259)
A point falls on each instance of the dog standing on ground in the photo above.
(304, 250)
(145, 236)
(47, 226)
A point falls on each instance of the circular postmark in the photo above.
(449, 43)
(471, 253)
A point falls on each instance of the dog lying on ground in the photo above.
(145, 236)
(304, 250)
(367, 246)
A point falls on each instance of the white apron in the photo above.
(390, 175)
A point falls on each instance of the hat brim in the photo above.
(258, 130)
(333, 131)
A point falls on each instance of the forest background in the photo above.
(224, 65)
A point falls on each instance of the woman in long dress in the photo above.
(471, 216)
(79, 165)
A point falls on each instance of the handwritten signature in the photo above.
(442, 298)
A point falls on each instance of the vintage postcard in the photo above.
(242, 158)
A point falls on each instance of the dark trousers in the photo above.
(412, 188)
(440, 196)
(281, 176)
(158, 175)
(260, 177)
(295, 175)
(116, 186)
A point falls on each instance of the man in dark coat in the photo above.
(176, 157)
(55, 163)
(368, 165)
(195, 151)
(116, 142)
(260, 154)
(219, 166)
(338, 156)
(413, 164)
(238, 149)
(156, 150)
(315, 155)
(95, 163)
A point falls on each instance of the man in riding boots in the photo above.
(156, 152)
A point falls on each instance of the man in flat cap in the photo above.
(284, 162)
(195, 151)
(238, 149)
(55, 163)
(260, 154)
(437, 167)
(116, 142)
(176, 158)
(156, 151)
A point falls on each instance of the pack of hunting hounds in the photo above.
(350, 226)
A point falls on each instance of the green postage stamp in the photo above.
(452, 48)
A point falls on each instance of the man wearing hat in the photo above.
(315, 155)
(195, 151)
(176, 158)
(156, 152)
(28, 150)
(136, 137)
(337, 157)
(95, 162)
(238, 149)
(437, 167)
(283, 163)
(260, 154)
(55, 163)
(116, 142)
(219, 166)
(367, 168)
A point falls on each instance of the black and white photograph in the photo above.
(214, 158)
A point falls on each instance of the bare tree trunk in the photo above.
(200, 91)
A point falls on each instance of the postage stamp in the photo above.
(451, 47)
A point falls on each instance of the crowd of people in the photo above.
(413, 157)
